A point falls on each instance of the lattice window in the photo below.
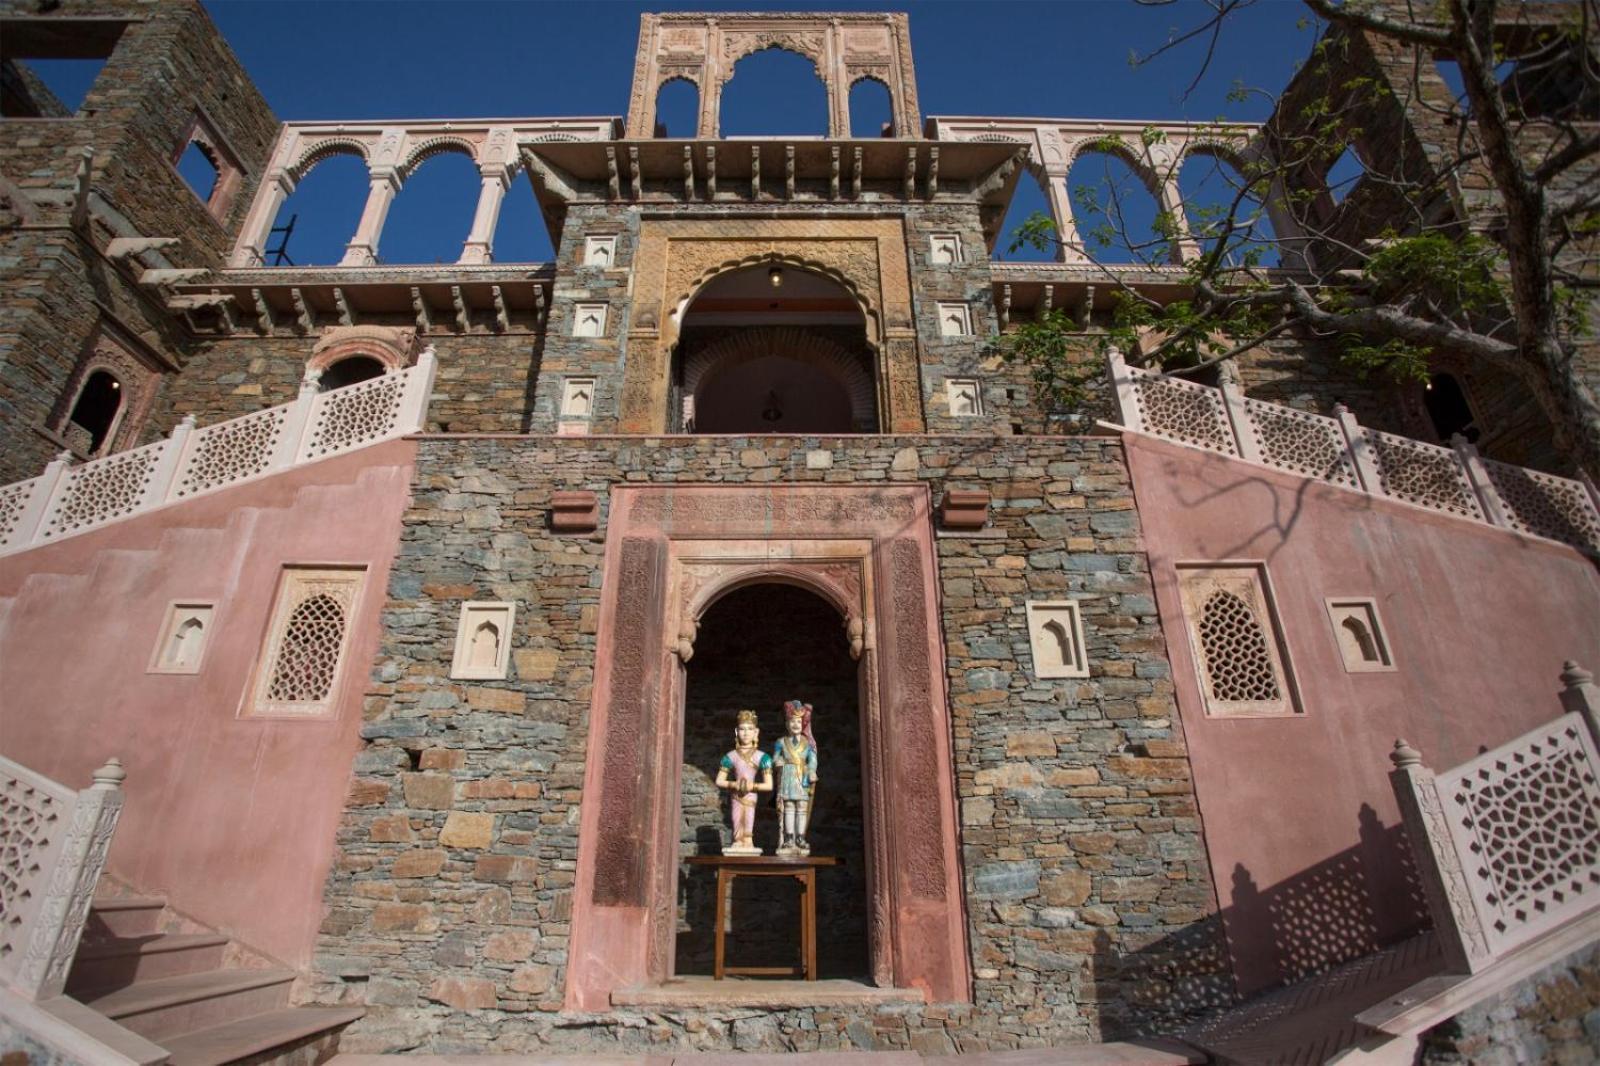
(1236, 641)
(30, 819)
(230, 451)
(1546, 505)
(1525, 819)
(305, 645)
(1423, 474)
(104, 489)
(14, 501)
(354, 416)
(1302, 442)
(1177, 410)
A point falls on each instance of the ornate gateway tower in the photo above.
(418, 602)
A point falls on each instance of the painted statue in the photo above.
(745, 771)
(796, 758)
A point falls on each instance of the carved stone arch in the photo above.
(425, 150)
(791, 342)
(325, 149)
(670, 76)
(1227, 151)
(858, 293)
(1120, 148)
(553, 138)
(394, 348)
(842, 597)
(737, 46)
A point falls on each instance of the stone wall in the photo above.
(1551, 1017)
(1087, 893)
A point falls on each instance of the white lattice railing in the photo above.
(67, 499)
(1341, 452)
(1508, 843)
(53, 844)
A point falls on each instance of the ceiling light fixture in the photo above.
(775, 275)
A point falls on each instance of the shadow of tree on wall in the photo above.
(1350, 905)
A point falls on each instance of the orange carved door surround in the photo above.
(671, 552)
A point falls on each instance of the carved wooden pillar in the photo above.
(363, 247)
(479, 247)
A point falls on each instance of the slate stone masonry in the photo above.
(449, 909)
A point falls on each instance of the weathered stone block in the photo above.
(463, 993)
(467, 829)
(430, 792)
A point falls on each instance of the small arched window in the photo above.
(94, 414)
(350, 371)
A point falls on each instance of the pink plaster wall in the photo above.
(1300, 822)
(232, 819)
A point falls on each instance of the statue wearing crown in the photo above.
(745, 771)
(795, 757)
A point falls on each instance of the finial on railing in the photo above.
(64, 455)
(430, 352)
(1575, 676)
(1404, 755)
(111, 775)
(190, 420)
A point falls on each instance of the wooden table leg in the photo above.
(810, 891)
(722, 894)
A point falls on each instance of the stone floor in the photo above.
(1135, 1053)
(768, 994)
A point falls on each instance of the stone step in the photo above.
(124, 916)
(172, 1006)
(120, 961)
(256, 1034)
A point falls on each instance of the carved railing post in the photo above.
(1355, 442)
(1239, 420)
(1580, 695)
(1456, 921)
(166, 469)
(66, 872)
(294, 427)
(414, 407)
(1478, 477)
(1122, 384)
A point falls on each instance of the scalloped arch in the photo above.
(433, 146)
(1230, 152)
(326, 149)
(744, 47)
(869, 310)
(792, 342)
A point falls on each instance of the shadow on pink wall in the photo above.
(231, 818)
(1301, 827)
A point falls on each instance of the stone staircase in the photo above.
(198, 995)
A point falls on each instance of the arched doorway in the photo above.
(759, 646)
(351, 371)
(772, 348)
(95, 413)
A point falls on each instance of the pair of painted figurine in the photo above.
(746, 772)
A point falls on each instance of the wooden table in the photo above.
(802, 869)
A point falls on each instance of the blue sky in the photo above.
(401, 59)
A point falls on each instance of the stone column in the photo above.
(363, 247)
(480, 241)
(1184, 248)
(276, 187)
(710, 83)
(1055, 189)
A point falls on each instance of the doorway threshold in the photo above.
(763, 993)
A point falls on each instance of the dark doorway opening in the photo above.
(95, 413)
(757, 647)
(351, 371)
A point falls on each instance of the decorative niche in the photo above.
(577, 406)
(589, 320)
(955, 320)
(1055, 634)
(1236, 640)
(1359, 633)
(181, 643)
(944, 249)
(600, 251)
(483, 641)
(965, 397)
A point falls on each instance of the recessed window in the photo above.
(1055, 634)
(94, 413)
(483, 641)
(1359, 633)
(208, 166)
(300, 663)
(964, 397)
(350, 371)
(944, 249)
(955, 320)
(589, 320)
(1236, 641)
(50, 67)
(600, 251)
(182, 640)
